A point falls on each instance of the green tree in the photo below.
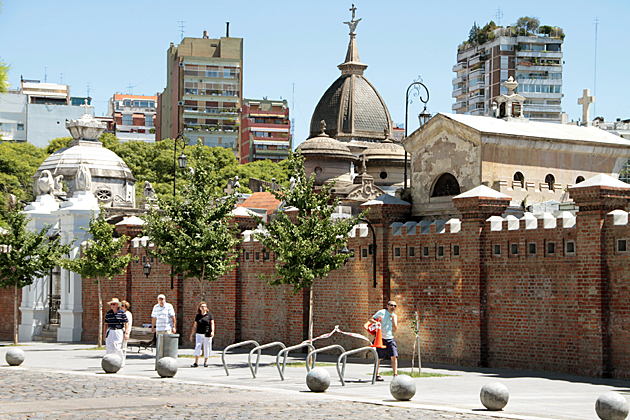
(527, 25)
(25, 255)
(473, 34)
(192, 232)
(58, 144)
(100, 259)
(306, 248)
(18, 164)
(4, 76)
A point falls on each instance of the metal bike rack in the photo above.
(259, 348)
(344, 356)
(231, 346)
(332, 347)
(286, 353)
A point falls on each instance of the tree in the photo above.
(527, 24)
(25, 255)
(4, 76)
(306, 248)
(100, 259)
(18, 163)
(193, 233)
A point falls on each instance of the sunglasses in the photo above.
(393, 306)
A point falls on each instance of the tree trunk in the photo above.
(15, 315)
(419, 357)
(201, 283)
(100, 314)
(310, 313)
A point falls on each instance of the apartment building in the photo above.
(134, 116)
(265, 130)
(203, 95)
(535, 62)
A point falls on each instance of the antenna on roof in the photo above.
(45, 74)
(499, 15)
(61, 78)
(88, 90)
(130, 89)
(595, 67)
(181, 27)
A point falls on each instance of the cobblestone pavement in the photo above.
(33, 394)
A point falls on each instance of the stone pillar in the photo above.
(475, 207)
(73, 215)
(595, 197)
(34, 307)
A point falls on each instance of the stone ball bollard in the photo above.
(14, 356)
(402, 387)
(611, 406)
(494, 396)
(111, 363)
(167, 367)
(318, 380)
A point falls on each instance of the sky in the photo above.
(292, 47)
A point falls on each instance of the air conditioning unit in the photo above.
(181, 64)
(180, 103)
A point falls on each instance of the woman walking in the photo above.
(125, 306)
(203, 330)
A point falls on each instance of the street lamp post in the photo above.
(180, 161)
(373, 250)
(422, 116)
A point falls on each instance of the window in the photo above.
(127, 119)
(570, 247)
(514, 249)
(257, 255)
(550, 180)
(456, 250)
(364, 253)
(579, 179)
(247, 255)
(531, 248)
(412, 251)
(20, 127)
(396, 252)
(518, 176)
(148, 121)
(497, 250)
(624, 174)
(352, 253)
(551, 248)
(622, 245)
(127, 102)
(383, 175)
(440, 251)
(266, 256)
(445, 185)
(425, 251)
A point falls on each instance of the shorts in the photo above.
(390, 349)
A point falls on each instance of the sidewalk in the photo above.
(532, 394)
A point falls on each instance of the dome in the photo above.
(386, 152)
(322, 146)
(351, 107)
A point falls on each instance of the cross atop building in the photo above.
(85, 106)
(586, 100)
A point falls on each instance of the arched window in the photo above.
(518, 176)
(624, 175)
(579, 179)
(445, 185)
(550, 180)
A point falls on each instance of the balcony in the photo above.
(459, 92)
(478, 111)
(459, 105)
(480, 71)
(218, 111)
(479, 84)
(548, 55)
(556, 109)
(207, 127)
(476, 99)
(459, 79)
(460, 66)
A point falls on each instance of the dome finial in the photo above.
(353, 23)
(322, 124)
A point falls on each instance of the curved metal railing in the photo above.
(259, 348)
(344, 356)
(286, 353)
(331, 347)
(231, 346)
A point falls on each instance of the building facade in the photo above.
(134, 116)
(265, 130)
(203, 94)
(534, 61)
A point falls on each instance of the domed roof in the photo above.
(351, 107)
(324, 146)
(385, 151)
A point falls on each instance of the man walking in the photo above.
(163, 317)
(388, 321)
(116, 328)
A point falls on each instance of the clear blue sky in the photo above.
(116, 43)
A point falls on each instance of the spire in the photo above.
(353, 64)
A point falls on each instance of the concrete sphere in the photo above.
(494, 396)
(111, 363)
(318, 380)
(167, 367)
(14, 356)
(402, 387)
(611, 406)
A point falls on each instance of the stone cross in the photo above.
(353, 10)
(85, 106)
(586, 100)
(353, 23)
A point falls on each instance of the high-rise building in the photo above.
(203, 94)
(534, 61)
(265, 130)
(134, 116)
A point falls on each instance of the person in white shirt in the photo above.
(163, 317)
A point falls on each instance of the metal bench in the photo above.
(142, 338)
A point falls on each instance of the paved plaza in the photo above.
(65, 381)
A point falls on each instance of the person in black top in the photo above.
(203, 330)
(116, 328)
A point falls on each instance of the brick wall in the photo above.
(6, 312)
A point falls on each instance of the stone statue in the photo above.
(148, 193)
(322, 125)
(292, 183)
(45, 183)
(353, 23)
(236, 184)
(83, 180)
(58, 188)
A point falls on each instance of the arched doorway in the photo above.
(445, 185)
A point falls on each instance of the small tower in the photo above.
(510, 105)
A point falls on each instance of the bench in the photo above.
(141, 338)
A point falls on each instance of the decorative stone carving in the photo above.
(83, 178)
(45, 183)
(58, 187)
